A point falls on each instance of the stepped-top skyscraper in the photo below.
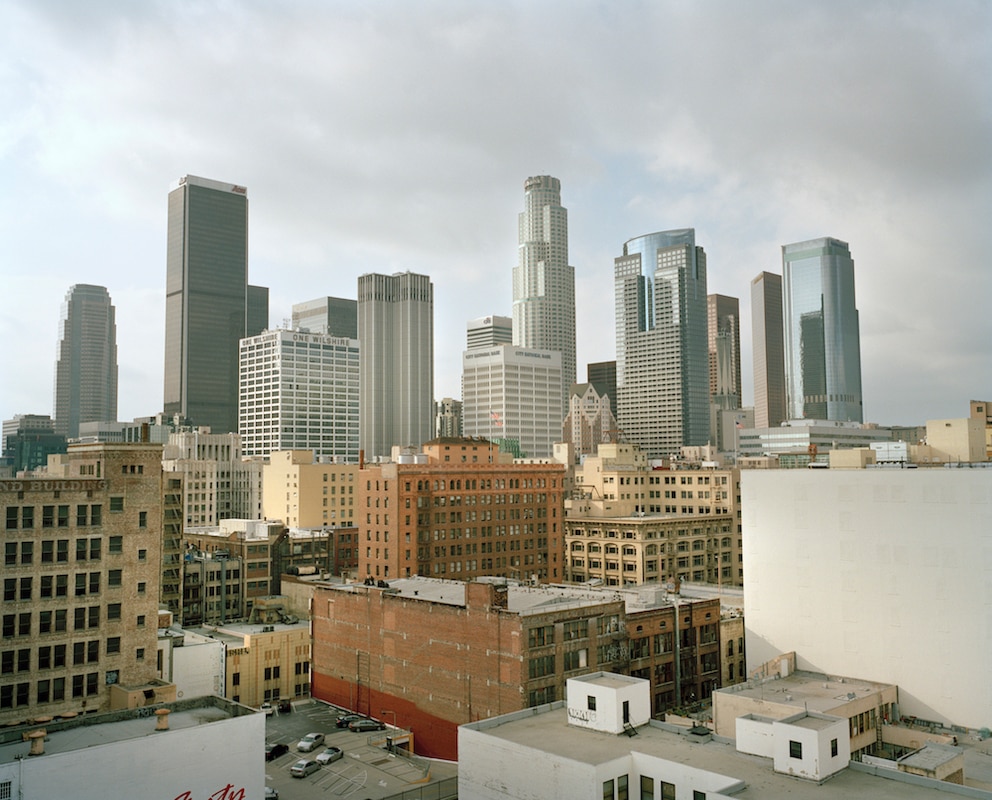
(396, 361)
(543, 282)
(822, 339)
(663, 397)
(209, 306)
(86, 369)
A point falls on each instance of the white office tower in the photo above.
(663, 387)
(543, 282)
(489, 332)
(299, 391)
(513, 393)
(396, 368)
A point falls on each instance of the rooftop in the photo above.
(546, 729)
(816, 692)
(88, 730)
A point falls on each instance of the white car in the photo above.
(267, 708)
(329, 755)
(310, 742)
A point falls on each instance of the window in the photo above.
(608, 790)
(113, 645)
(141, 621)
(698, 795)
(142, 519)
(833, 748)
(116, 504)
(116, 544)
(795, 749)
(576, 659)
(647, 787)
(667, 791)
(114, 577)
(538, 637)
(139, 654)
(114, 611)
(142, 555)
(591, 702)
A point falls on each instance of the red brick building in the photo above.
(454, 511)
(430, 655)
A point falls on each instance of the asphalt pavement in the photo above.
(367, 771)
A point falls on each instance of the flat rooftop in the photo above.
(547, 730)
(819, 693)
(89, 730)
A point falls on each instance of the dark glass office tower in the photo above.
(206, 300)
(258, 310)
(86, 369)
(822, 340)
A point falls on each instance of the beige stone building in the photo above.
(264, 662)
(957, 440)
(81, 571)
(628, 551)
(305, 493)
(982, 410)
(652, 524)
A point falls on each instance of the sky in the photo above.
(397, 135)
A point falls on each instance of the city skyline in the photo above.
(428, 179)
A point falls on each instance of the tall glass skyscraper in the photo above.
(86, 369)
(663, 380)
(396, 361)
(543, 282)
(822, 339)
(208, 305)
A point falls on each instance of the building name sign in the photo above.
(239, 651)
(52, 486)
(316, 338)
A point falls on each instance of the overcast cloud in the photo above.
(391, 136)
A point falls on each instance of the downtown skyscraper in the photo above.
(768, 351)
(663, 382)
(86, 369)
(821, 332)
(396, 361)
(543, 282)
(209, 306)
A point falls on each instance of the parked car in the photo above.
(271, 794)
(360, 725)
(267, 708)
(347, 719)
(310, 742)
(285, 706)
(303, 767)
(275, 750)
(329, 755)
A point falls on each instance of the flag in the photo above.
(494, 416)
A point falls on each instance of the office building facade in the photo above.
(331, 316)
(662, 357)
(208, 303)
(396, 365)
(768, 350)
(821, 334)
(543, 282)
(723, 322)
(299, 391)
(86, 369)
(513, 393)
(488, 332)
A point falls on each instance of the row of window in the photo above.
(87, 515)
(48, 690)
(57, 620)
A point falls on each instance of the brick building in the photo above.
(440, 653)
(81, 571)
(457, 511)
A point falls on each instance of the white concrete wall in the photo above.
(201, 761)
(884, 575)
(198, 667)
(755, 736)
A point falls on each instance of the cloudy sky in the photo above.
(391, 136)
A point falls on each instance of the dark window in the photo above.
(92, 683)
(142, 519)
(94, 582)
(45, 657)
(60, 620)
(25, 593)
(44, 622)
(116, 544)
(795, 749)
(58, 689)
(81, 516)
(114, 577)
(96, 515)
(27, 517)
(48, 551)
(80, 584)
(93, 617)
(63, 516)
(12, 518)
(113, 644)
(61, 585)
(44, 691)
(114, 611)
(63, 551)
(78, 619)
(48, 516)
(78, 683)
(24, 624)
(833, 748)
(80, 549)
(9, 589)
(27, 552)
(116, 503)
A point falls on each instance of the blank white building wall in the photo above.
(883, 575)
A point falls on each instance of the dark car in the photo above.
(275, 750)
(347, 719)
(285, 707)
(360, 725)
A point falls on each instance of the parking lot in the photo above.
(366, 771)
